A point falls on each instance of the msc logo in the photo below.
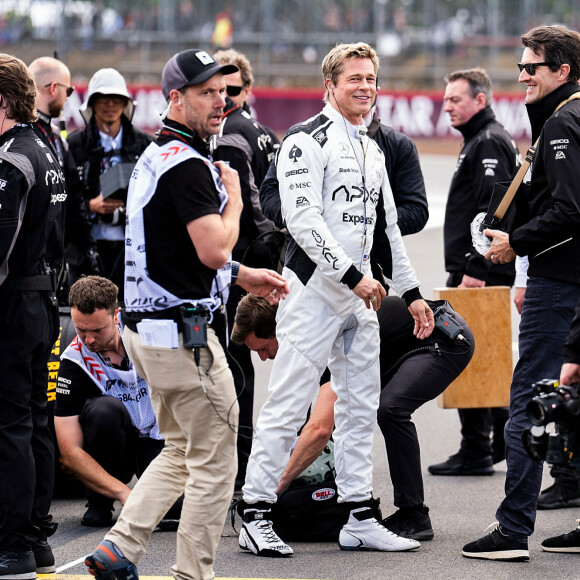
(323, 494)
(295, 154)
(301, 185)
(296, 172)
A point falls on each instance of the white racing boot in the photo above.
(364, 532)
(258, 535)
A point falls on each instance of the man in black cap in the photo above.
(183, 221)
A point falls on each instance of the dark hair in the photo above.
(478, 80)
(556, 44)
(92, 293)
(254, 314)
(17, 90)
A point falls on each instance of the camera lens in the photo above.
(537, 412)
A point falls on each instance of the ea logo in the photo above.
(295, 153)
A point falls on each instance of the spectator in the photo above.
(550, 69)
(488, 155)
(109, 139)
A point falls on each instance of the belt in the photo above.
(38, 283)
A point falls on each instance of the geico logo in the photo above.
(63, 380)
(58, 197)
(296, 172)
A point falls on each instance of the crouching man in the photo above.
(104, 422)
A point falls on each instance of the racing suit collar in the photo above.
(476, 123)
(356, 131)
(541, 111)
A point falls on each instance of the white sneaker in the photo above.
(364, 532)
(258, 535)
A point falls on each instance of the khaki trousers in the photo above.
(199, 457)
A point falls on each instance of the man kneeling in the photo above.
(104, 422)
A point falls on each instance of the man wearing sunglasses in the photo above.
(52, 79)
(249, 149)
(549, 236)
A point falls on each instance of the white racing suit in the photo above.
(331, 178)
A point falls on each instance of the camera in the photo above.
(558, 404)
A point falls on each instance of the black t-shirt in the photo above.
(73, 389)
(185, 193)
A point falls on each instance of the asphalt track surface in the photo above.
(461, 507)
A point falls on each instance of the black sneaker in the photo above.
(497, 546)
(459, 464)
(107, 562)
(17, 565)
(557, 496)
(97, 516)
(569, 542)
(44, 558)
(413, 523)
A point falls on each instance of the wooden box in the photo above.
(486, 380)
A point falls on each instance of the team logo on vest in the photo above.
(323, 494)
(295, 154)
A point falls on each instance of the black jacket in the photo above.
(488, 155)
(78, 223)
(88, 153)
(32, 205)
(249, 149)
(551, 236)
(405, 177)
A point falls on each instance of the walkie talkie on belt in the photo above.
(194, 324)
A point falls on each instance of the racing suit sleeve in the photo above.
(301, 159)
(561, 219)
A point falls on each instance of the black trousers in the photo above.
(240, 361)
(110, 438)
(420, 378)
(30, 325)
(113, 256)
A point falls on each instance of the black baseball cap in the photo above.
(191, 67)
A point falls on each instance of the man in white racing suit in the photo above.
(335, 193)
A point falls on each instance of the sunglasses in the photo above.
(69, 90)
(234, 91)
(530, 68)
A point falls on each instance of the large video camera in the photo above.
(558, 404)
